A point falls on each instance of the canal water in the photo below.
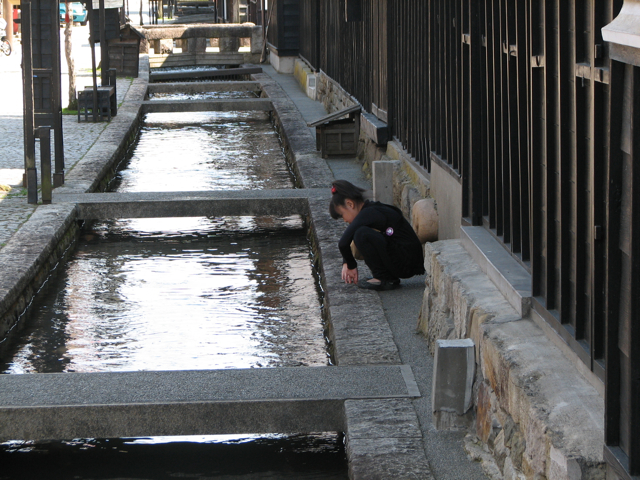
(202, 96)
(183, 293)
(206, 151)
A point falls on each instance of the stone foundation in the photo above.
(536, 416)
(331, 94)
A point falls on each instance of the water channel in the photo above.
(183, 294)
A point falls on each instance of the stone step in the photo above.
(205, 402)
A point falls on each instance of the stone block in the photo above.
(256, 40)
(453, 374)
(383, 181)
(484, 422)
(424, 218)
(229, 44)
(197, 45)
(384, 458)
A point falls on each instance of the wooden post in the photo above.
(104, 49)
(44, 134)
(56, 102)
(92, 43)
(30, 179)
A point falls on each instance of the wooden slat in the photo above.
(632, 380)
(614, 263)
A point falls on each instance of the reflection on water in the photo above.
(270, 457)
(206, 151)
(183, 293)
(179, 293)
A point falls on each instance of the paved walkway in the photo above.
(447, 457)
(445, 451)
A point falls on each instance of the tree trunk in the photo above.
(141, 22)
(68, 52)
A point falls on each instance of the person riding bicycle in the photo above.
(5, 46)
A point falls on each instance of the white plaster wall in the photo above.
(447, 192)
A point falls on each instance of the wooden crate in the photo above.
(336, 136)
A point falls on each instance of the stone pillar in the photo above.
(197, 45)
(183, 44)
(256, 40)
(229, 44)
(383, 180)
(163, 46)
(453, 374)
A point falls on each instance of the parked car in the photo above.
(79, 12)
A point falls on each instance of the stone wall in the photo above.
(331, 94)
(536, 416)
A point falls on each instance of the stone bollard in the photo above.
(453, 374)
(383, 180)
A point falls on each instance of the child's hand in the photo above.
(349, 275)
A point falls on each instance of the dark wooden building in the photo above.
(532, 112)
(124, 51)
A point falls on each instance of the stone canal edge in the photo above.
(383, 438)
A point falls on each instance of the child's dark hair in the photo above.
(342, 190)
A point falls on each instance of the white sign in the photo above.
(108, 4)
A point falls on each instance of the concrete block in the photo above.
(384, 458)
(453, 374)
(374, 128)
(282, 64)
(446, 189)
(383, 180)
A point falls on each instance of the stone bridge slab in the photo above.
(94, 206)
(130, 404)
(222, 105)
(201, 87)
